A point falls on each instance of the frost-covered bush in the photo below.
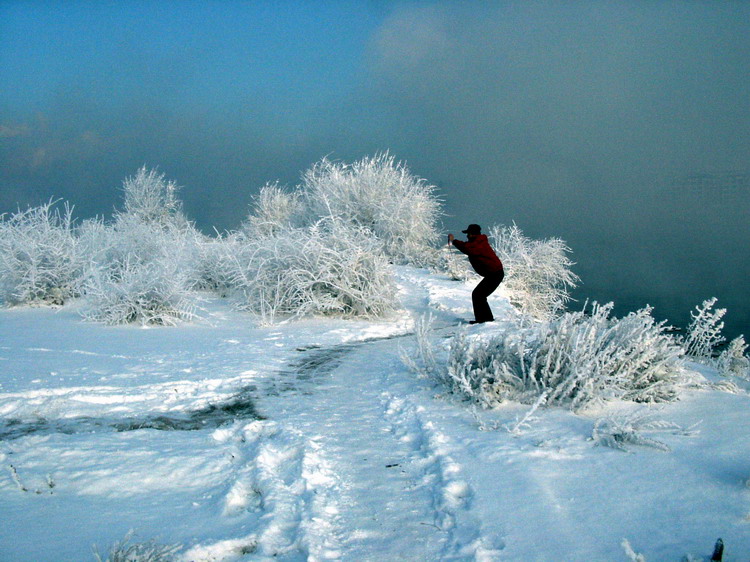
(143, 267)
(211, 271)
(538, 277)
(143, 273)
(152, 200)
(704, 332)
(324, 246)
(40, 262)
(327, 268)
(380, 196)
(576, 359)
(274, 210)
(422, 359)
(151, 293)
(734, 360)
(95, 238)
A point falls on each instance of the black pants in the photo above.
(487, 286)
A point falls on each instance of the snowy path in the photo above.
(398, 487)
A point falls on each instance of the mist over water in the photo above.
(619, 127)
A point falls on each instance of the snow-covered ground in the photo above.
(310, 440)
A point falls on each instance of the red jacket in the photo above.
(481, 255)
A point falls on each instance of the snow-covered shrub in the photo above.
(274, 210)
(211, 269)
(704, 331)
(576, 359)
(734, 360)
(143, 274)
(95, 239)
(382, 197)
(422, 360)
(152, 199)
(40, 262)
(150, 293)
(127, 551)
(538, 277)
(143, 267)
(328, 268)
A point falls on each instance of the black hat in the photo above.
(473, 229)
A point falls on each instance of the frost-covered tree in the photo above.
(538, 275)
(380, 196)
(576, 359)
(704, 332)
(40, 261)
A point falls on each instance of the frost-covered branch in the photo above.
(704, 331)
(618, 432)
(128, 551)
(538, 277)
(632, 555)
(734, 361)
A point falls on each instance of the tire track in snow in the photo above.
(443, 476)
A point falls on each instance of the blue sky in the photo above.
(580, 120)
(217, 54)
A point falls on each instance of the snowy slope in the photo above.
(310, 439)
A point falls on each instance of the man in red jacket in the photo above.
(486, 263)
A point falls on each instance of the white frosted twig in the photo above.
(516, 428)
(704, 332)
(16, 478)
(632, 555)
